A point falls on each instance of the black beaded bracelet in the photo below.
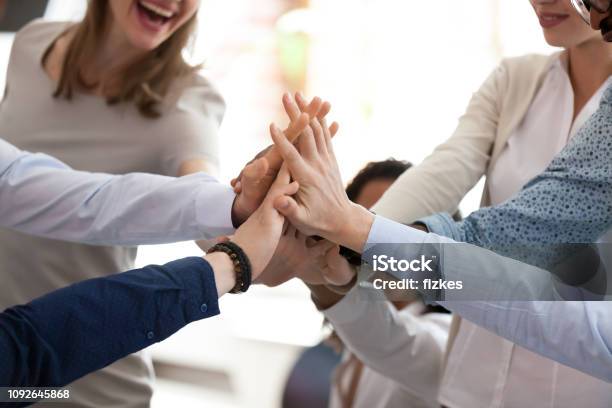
(242, 264)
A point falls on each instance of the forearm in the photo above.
(484, 274)
(441, 181)
(403, 347)
(542, 327)
(42, 196)
(68, 333)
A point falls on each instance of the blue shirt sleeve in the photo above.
(569, 203)
(42, 196)
(71, 332)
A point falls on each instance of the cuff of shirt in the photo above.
(385, 231)
(214, 209)
(353, 306)
(442, 224)
(200, 299)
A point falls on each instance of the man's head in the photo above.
(598, 14)
(373, 180)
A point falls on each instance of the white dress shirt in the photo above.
(402, 351)
(42, 196)
(484, 369)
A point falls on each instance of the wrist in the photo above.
(223, 270)
(354, 228)
(239, 214)
(322, 297)
(241, 262)
(343, 289)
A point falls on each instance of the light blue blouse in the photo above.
(42, 196)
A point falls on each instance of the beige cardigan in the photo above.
(441, 181)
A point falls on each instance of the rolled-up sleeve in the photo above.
(82, 328)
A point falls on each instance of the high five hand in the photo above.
(321, 206)
(255, 179)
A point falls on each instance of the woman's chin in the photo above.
(555, 40)
(145, 42)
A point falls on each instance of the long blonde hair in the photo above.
(145, 82)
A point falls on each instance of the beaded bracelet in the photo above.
(242, 264)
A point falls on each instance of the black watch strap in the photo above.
(351, 256)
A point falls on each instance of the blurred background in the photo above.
(399, 76)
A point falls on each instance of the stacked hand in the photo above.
(315, 262)
(314, 205)
(253, 183)
(258, 236)
(321, 206)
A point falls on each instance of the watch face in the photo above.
(14, 14)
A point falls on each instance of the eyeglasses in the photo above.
(583, 7)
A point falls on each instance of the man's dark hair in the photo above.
(389, 169)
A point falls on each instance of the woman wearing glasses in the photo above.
(596, 14)
(110, 94)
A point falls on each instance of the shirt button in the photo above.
(204, 308)
(150, 335)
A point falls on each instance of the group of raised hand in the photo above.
(292, 207)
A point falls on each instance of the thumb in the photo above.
(288, 207)
(339, 271)
(291, 189)
(323, 247)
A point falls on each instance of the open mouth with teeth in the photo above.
(153, 13)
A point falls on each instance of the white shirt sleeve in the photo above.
(405, 348)
(484, 274)
(42, 196)
(501, 295)
(577, 334)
